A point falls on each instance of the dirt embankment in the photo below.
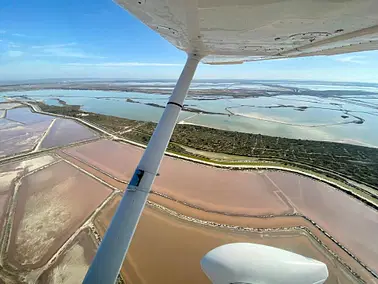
(72, 265)
(51, 205)
(167, 249)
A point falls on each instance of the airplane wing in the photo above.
(234, 31)
(219, 32)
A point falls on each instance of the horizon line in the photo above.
(175, 79)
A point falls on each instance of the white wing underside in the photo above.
(234, 31)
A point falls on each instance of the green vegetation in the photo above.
(111, 123)
(70, 110)
(335, 160)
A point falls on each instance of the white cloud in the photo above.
(357, 59)
(47, 46)
(124, 64)
(19, 35)
(39, 69)
(14, 53)
(62, 50)
(12, 44)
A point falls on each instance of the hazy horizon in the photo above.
(173, 80)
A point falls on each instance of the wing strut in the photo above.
(113, 248)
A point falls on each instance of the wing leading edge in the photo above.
(236, 31)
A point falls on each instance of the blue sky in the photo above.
(97, 39)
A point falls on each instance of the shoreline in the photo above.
(231, 166)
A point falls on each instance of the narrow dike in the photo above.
(260, 230)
